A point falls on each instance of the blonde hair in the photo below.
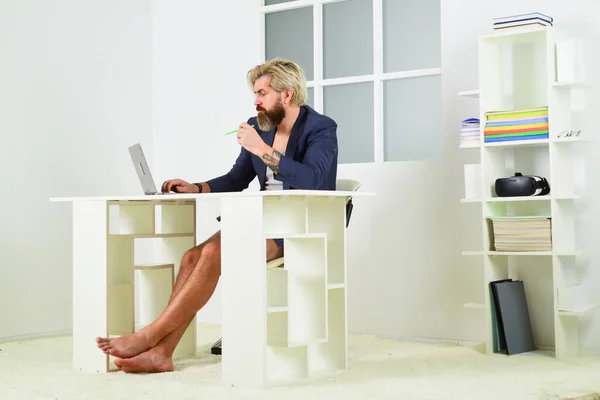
(285, 75)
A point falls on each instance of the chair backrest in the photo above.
(347, 185)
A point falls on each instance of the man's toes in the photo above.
(123, 364)
(101, 340)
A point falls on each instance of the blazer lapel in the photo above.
(297, 131)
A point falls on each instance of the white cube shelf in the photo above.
(306, 297)
(304, 303)
(159, 233)
(517, 71)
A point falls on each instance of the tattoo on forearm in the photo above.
(272, 161)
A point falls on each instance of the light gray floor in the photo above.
(381, 369)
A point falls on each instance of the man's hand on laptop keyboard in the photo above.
(179, 186)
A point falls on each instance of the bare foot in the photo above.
(125, 346)
(152, 360)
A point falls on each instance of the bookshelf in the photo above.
(145, 241)
(517, 71)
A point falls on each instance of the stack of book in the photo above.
(522, 233)
(502, 126)
(470, 134)
(531, 19)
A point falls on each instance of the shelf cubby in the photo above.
(284, 216)
(175, 219)
(331, 355)
(155, 283)
(277, 289)
(328, 216)
(286, 364)
(131, 218)
(121, 309)
(504, 162)
(306, 263)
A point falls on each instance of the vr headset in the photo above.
(519, 185)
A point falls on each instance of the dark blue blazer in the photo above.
(310, 160)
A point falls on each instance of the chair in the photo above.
(343, 185)
(347, 185)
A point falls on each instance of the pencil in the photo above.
(235, 131)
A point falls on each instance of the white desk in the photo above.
(278, 325)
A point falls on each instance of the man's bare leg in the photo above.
(159, 358)
(119, 347)
(188, 263)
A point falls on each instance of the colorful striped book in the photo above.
(502, 126)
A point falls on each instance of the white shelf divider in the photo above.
(519, 143)
(572, 85)
(469, 93)
(580, 313)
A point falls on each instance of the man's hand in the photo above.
(249, 139)
(179, 186)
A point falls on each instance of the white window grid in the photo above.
(378, 77)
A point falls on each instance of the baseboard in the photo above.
(46, 335)
(545, 348)
(456, 342)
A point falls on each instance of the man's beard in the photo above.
(269, 119)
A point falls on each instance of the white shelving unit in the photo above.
(517, 71)
(306, 298)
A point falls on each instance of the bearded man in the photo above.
(287, 145)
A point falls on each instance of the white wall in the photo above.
(200, 92)
(75, 81)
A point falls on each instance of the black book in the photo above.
(513, 316)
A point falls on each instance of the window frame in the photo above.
(378, 77)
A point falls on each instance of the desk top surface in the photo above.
(193, 196)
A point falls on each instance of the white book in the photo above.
(520, 17)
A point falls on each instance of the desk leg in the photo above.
(243, 274)
(90, 225)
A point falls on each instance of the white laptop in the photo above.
(143, 171)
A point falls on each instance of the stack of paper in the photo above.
(531, 19)
(505, 126)
(522, 233)
(470, 134)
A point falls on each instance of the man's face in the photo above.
(268, 104)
